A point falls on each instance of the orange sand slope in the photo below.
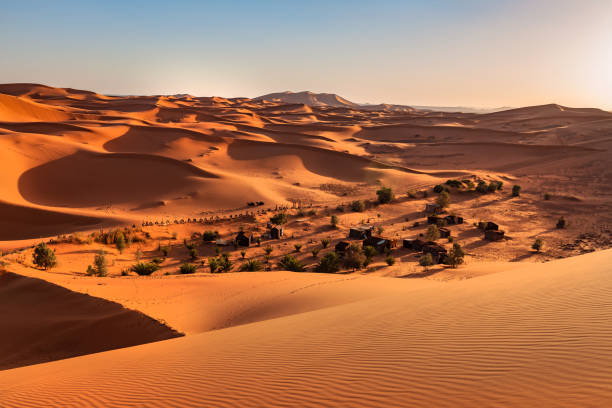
(43, 322)
(535, 336)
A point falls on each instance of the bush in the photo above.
(358, 206)
(353, 258)
(433, 233)
(44, 257)
(390, 260)
(454, 183)
(193, 253)
(516, 190)
(561, 223)
(482, 187)
(438, 188)
(325, 242)
(537, 245)
(546, 196)
(290, 263)
(252, 265)
(213, 264)
(268, 250)
(187, 268)
(120, 244)
(443, 199)
(468, 183)
(143, 268)
(243, 253)
(165, 251)
(411, 195)
(333, 221)
(100, 264)
(426, 260)
(492, 187)
(330, 263)
(385, 195)
(279, 219)
(157, 261)
(370, 252)
(225, 264)
(315, 252)
(208, 236)
(455, 256)
(298, 247)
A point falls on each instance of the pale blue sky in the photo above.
(470, 53)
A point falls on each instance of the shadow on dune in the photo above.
(44, 322)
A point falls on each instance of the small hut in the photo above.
(361, 232)
(437, 251)
(434, 208)
(453, 219)
(341, 247)
(276, 232)
(434, 219)
(380, 244)
(494, 235)
(444, 233)
(243, 240)
(414, 244)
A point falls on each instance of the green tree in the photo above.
(329, 263)
(353, 258)
(433, 233)
(44, 257)
(100, 264)
(120, 243)
(291, 263)
(357, 206)
(455, 256)
(426, 261)
(537, 245)
(385, 195)
(279, 219)
(443, 199)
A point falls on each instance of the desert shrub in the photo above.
(208, 236)
(353, 257)
(225, 264)
(492, 187)
(468, 183)
(547, 196)
(99, 265)
(157, 261)
(454, 183)
(333, 221)
(426, 260)
(298, 247)
(187, 268)
(438, 188)
(340, 208)
(90, 270)
(390, 260)
(443, 199)
(44, 257)
(243, 253)
(213, 264)
(165, 251)
(357, 206)
(329, 263)
(291, 263)
(193, 253)
(561, 223)
(379, 230)
(325, 242)
(315, 252)
(385, 195)
(411, 195)
(268, 250)
(252, 265)
(537, 245)
(516, 190)
(455, 256)
(433, 233)
(370, 252)
(482, 187)
(144, 268)
(279, 219)
(450, 239)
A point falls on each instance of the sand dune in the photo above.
(17, 109)
(538, 335)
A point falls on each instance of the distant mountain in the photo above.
(463, 109)
(309, 98)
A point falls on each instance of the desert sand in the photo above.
(509, 327)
